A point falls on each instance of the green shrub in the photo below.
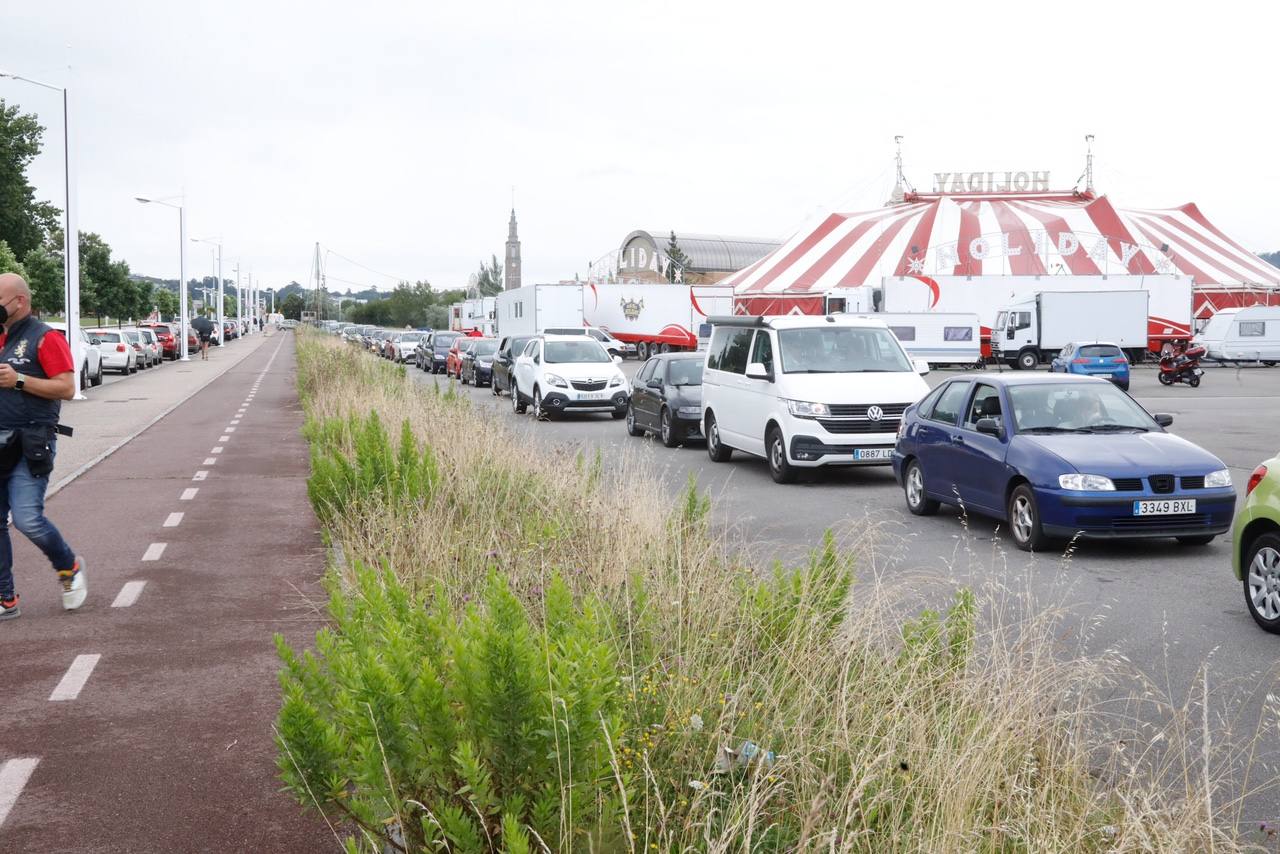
(485, 730)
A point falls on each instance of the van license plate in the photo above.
(873, 453)
(1173, 507)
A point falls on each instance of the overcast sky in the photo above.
(393, 133)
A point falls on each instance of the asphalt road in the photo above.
(1169, 608)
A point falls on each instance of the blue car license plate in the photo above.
(1165, 507)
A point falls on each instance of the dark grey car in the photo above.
(666, 398)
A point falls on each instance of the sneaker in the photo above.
(9, 608)
(74, 585)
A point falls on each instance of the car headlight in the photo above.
(804, 409)
(1221, 477)
(689, 411)
(1086, 483)
(556, 380)
(616, 381)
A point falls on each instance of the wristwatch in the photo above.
(21, 381)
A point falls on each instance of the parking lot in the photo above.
(1168, 608)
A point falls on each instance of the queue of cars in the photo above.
(1054, 457)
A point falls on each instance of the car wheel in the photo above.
(1028, 360)
(1269, 363)
(461, 378)
(518, 406)
(780, 468)
(716, 450)
(1024, 520)
(918, 501)
(493, 386)
(84, 377)
(97, 378)
(642, 351)
(538, 412)
(1262, 581)
(1202, 540)
(671, 435)
(633, 429)
(620, 413)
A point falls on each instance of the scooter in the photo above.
(1181, 364)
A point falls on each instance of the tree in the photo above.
(143, 298)
(95, 272)
(24, 222)
(165, 301)
(292, 307)
(9, 262)
(489, 279)
(117, 296)
(677, 261)
(47, 280)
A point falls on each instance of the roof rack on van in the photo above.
(752, 320)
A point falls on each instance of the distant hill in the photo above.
(1272, 258)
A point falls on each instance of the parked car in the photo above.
(1058, 457)
(453, 360)
(441, 343)
(806, 391)
(1256, 545)
(1093, 359)
(151, 343)
(91, 363)
(667, 398)
(230, 331)
(613, 345)
(116, 349)
(405, 345)
(167, 335)
(504, 359)
(477, 362)
(568, 374)
(134, 337)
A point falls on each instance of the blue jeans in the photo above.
(22, 494)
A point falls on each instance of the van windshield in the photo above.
(841, 350)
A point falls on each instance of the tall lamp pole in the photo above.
(221, 319)
(182, 268)
(70, 232)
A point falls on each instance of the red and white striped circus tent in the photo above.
(1013, 234)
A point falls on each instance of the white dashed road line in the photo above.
(189, 493)
(231, 429)
(200, 475)
(75, 677)
(13, 778)
(224, 438)
(174, 520)
(208, 461)
(216, 449)
(128, 594)
(154, 551)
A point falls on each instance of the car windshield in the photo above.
(114, 337)
(485, 348)
(411, 336)
(1092, 407)
(685, 372)
(443, 342)
(841, 350)
(1099, 351)
(561, 352)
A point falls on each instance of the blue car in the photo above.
(1059, 456)
(1093, 359)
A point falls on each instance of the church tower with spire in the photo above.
(511, 274)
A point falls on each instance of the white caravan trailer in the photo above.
(938, 337)
(533, 308)
(1243, 335)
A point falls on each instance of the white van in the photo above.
(806, 391)
(1243, 335)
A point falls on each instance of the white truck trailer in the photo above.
(938, 337)
(1032, 331)
(657, 318)
(533, 308)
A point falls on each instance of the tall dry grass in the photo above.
(891, 727)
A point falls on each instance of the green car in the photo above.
(1257, 545)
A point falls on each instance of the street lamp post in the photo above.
(182, 269)
(70, 232)
(221, 319)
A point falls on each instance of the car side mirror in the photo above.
(989, 426)
(95, 341)
(537, 360)
(921, 366)
(1163, 419)
(655, 384)
(617, 360)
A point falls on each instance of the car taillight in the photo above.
(1079, 361)
(119, 348)
(1120, 360)
(1254, 479)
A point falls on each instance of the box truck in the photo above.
(656, 318)
(531, 309)
(1032, 331)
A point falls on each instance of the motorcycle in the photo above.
(1181, 364)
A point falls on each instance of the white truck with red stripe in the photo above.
(657, 318)
(1168, 310)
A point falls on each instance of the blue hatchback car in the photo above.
(1059, 456)
(1093, 359)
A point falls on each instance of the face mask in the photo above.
(4, 314)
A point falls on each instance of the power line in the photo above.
(363, 267)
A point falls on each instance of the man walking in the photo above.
(36, 375)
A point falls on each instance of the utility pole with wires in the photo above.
(1087, 177)
(901, 186)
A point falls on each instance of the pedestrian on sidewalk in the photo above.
(204, 328)
(36, 375)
